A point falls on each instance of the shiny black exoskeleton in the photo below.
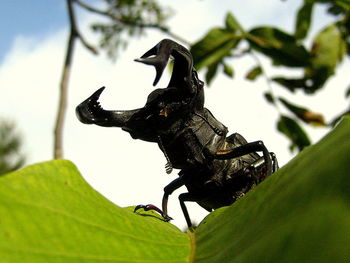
(216, 169)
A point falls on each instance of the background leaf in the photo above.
(269, 97)
(328, 49)
(232, 23)
(211, 72)
(303, 21)
(213, 47)
(280, 46)
(291, 84)
(294, 132)
(304, 114)
(254, 73)
(228, 70)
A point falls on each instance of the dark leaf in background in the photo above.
(304, 114)
(338, 7)
(254, 73)
(347, 93)
(278, 45)
(291, 84)
(269, 97)
(11, 157)
(298, 137)
(303, 21)
(211, 72)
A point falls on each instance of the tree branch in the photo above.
(58, 133)
(116, 18)
(74, 35)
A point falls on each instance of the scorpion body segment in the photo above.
(216, 169)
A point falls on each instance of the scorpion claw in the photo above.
(88, 109)
(153, 207)
(158, 63)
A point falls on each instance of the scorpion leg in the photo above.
(244, 149)
(155, 208)
(168, 190)
(274, 162)
(189, 197)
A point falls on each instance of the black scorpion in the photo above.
(216, 169)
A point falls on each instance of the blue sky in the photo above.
(29, 79)
(29, 18)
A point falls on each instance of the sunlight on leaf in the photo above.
(299, 214)
(50, 214)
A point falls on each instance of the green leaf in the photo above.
(294, 132)
(269, 97)
(304, 114)
(303, 21)
(347, 92)
(11, 156)
(280, 46)
(328, 49)
(254, 73)
(211, 49)
(291, 84)
(232, 23)
(50, 214)
(339, 7)
(228, 70)
(211, 72)
(299, 214)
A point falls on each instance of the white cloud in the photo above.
(126, 171)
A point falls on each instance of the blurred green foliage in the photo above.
(318, 63)
(128, 18)
(11, 157)
(215, 50)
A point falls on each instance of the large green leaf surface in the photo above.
(300, 214)
(48, 213)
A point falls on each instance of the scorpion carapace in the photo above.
(216, 169)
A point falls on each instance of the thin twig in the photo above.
(116, 18)
(267, 79)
